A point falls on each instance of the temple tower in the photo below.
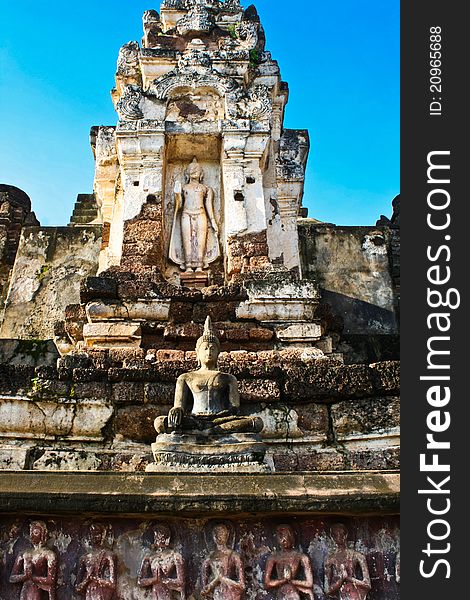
(201, 87)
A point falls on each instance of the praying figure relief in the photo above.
(346, 572)
(163, 571)
(36, 569)
(289, 571)
(194, 240)
(96, 579)
(223, 577)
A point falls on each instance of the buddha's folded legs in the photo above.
(222, 425)
(238, 425)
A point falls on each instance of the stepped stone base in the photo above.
(194, 280)
(200, 453)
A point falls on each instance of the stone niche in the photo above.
(181, 150)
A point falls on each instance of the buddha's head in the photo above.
(195, 171)
(208, 346)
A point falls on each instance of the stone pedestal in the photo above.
(182, 453)
(194, 280)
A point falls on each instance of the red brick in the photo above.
(170, 355)
(261, 335)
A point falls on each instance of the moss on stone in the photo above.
(43, 271)
(232, 29)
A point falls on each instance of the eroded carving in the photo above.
(254, 104)
(195, 58)
(163, 570)
(204, 427)
(105, 146)
(195, 108)
(293, 152)
(36, 569)
(152, 28)
(96, 579)
(289, 571)
(346, 572)
(223, 577)
(128, 60)
(194, 242)
(248, 35)
(207, 399)
(198, 19)
(128, 106)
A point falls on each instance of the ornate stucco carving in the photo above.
(254, 104)
(163, 87)
(195, 58)
(128, 106)
(199, 19)
(128, 60)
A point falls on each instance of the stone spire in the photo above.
(201, 85)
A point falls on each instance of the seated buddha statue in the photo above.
(207, 400)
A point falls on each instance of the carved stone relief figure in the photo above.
(207, 399)
(96, 579)
(289, 571)
(194, 240)
(10, 546)
(163, 570)
(223, 577)
(346, 572)
(36, 569)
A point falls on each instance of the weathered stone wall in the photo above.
(319, 415)
(32, 353)
(15, 212)
(50, 264)
(277, 311)
(352, 266)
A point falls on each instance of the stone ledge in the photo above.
(325, 493)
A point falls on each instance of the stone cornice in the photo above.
(140, 493)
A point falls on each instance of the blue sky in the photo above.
(341, 59)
